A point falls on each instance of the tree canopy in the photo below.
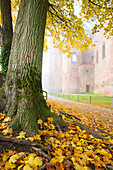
(99, 12)
(67, 28)
(63, 21)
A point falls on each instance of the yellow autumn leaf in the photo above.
(105, 153)
(10, 165)
(82, 141)
(21, 135)
(30, 138)
(50, 119)
(111, 141)
(73, 145)
(2, 115)
(63, 117)
(73, 159)
(68, 55)
(60, 158)
(7, 119)
(79, 143)
(40, 121)
(77, 166)
(20, 167)
(77, 127)
(38, 161)
(6, 131)
(30, 161)
(34, 162)
(102, 152)
(91, 137)
(51, 126)
(4, 157)
(71, 131)
(90, 159)
(14, 158)
(53, 161)
(86, 168)
(64, 145)
(79, 148)
(61, 135)
(37, 137)
(89, 147)
(32, 154)
(58, 152)
(27, 167)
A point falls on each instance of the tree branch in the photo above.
(58, 13)
(95, 4)
(65, 22)
(99, 5)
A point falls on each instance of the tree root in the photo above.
(23, 142)
(58, 127)
(92, 132)
(42, 153)
(66, 114)
(84, 127)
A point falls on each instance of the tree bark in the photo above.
(23, 87)
(6, 31)
(2, 100)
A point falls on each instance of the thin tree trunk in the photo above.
(6, 30)
(24, 95)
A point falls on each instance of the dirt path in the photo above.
(82, 106)
(98, 116)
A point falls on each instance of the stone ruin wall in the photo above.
(76, 76)
(87, 71)
(103, 74)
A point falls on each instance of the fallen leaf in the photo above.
(21, 135)
(27, 167)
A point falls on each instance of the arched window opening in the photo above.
(103, 49)
(92, 58)
(73, 57)
(97, 57)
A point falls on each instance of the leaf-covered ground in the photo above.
(74, 149)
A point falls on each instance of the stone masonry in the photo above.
(91, 72)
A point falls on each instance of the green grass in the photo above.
(96, 99)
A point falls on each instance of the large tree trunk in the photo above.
(6, 31)
(25, 102)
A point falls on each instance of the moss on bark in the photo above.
(27, 116)
(2, 99)
(31, 105)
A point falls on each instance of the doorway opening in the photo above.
(87, 88)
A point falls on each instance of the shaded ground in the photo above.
(93, 112)
(74, 149)
(5, 146)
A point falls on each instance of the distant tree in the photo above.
(6, 30)
(23, 87)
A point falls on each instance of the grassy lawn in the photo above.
(96, 99)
